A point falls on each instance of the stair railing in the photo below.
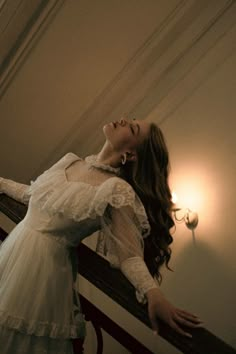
(113, 283)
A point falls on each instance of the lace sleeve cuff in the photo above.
(138, 274)
(17, 191)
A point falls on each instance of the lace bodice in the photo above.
(69, 211)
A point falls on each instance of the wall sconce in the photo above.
(184, 214)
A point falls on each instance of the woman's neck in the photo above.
(108, 156)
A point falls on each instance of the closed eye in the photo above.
(132, 129)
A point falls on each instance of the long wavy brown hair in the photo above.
(149, 178)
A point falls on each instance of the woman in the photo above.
(123, 192)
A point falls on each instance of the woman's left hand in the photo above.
(159, 306)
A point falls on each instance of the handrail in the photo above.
(112, 282)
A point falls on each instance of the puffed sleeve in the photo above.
(15, 190)
(123, 228)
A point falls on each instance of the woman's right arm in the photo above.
(17, 191)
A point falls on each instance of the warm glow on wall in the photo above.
(189, 191)
(189, 199)
(186, 215)
(198, 189)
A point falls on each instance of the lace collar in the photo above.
(92, 161)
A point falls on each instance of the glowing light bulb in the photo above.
(174, 197)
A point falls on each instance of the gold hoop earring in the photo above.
(123, 159)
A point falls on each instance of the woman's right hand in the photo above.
(160, 307)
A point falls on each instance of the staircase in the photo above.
(112, 282)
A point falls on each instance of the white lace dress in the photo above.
(39, 308)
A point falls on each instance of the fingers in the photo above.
(186, 319)
(175, 318)
(154, 324)
(188, 314)
(189, 317)
(188, 323)
(180, 330)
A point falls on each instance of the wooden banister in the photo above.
(112, 282)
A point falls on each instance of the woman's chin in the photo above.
(107, 127)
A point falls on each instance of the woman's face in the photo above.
(126, 135)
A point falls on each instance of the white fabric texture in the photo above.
(37, 260)
(17, 191)
(138, 274)
(13, 342)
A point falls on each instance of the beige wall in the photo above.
(201, 134)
